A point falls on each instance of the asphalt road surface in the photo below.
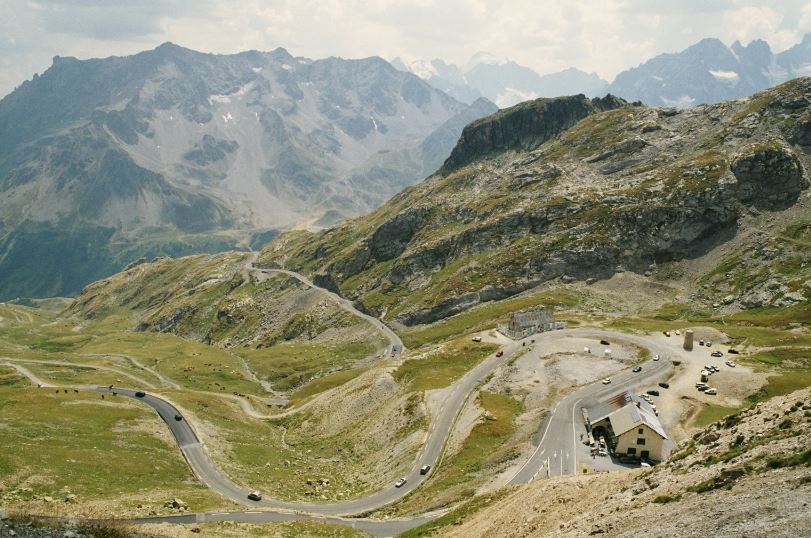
(395, 344)
(556, 453)
(558, 438)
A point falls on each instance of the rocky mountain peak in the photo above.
(525, 126)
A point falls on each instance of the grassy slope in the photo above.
(52, 444)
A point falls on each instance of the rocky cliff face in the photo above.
(524, 126)
(623, 189)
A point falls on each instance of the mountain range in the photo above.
(707, 72)
(503, 82)
(572, 189)
(172, 151)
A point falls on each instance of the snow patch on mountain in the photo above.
(725, 76)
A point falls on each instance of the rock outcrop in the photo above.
(769, 176)
(524, 126)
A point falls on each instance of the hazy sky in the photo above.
(603, 36)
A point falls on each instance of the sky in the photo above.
(603, 36)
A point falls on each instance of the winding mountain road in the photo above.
(395, 344)
(557, 435)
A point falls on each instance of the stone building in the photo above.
(523, 324)
(630, 426)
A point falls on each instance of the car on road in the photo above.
(731, 364)
(499, 353)
(140, 394)
(664, 385)
(424, 469)
(733, 351)
(711, 390)
(637, 369)
(656, 357)
(178, 418)
(606, 381)
(716, 353)
(400, 482)
(605, 342)
(653, 392)
(255, 496)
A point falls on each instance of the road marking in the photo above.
(247, 512)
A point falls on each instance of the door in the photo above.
(645, 454)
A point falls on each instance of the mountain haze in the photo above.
(171, 151)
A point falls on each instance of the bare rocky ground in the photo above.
(747, 475)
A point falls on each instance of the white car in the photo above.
(656, 357)
(731, 364)
(606, 381)
(400, 483)
(678, 332)
(711, 391)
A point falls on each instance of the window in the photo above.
(640, 441)
(631, 451)
(640, 430)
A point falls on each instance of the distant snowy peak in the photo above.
(710, 71)
(484, 58)
(500, 80)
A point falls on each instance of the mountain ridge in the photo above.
(622, 190)
(171, 142)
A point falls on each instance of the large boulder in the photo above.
(769, 176)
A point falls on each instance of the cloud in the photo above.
(605, 36)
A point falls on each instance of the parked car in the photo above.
(716, 353)
(678, 332)
(140, 394)
(606, 381)
(637, 369)
(664, 385)
(700, 383)
(702, 388)
(666, 333)
(731, 364)
(653, 392)
(710, 390)
(424, 469)
(605, 342)
(499, 353)
(708, 343)
(701, 342)
(400, 482)
(656, 357)
(733, 351)
(477, 338)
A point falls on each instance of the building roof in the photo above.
(536, 317)
(631, 416)
(603, 409)
(626, 411)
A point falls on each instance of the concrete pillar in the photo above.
(688, 340)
